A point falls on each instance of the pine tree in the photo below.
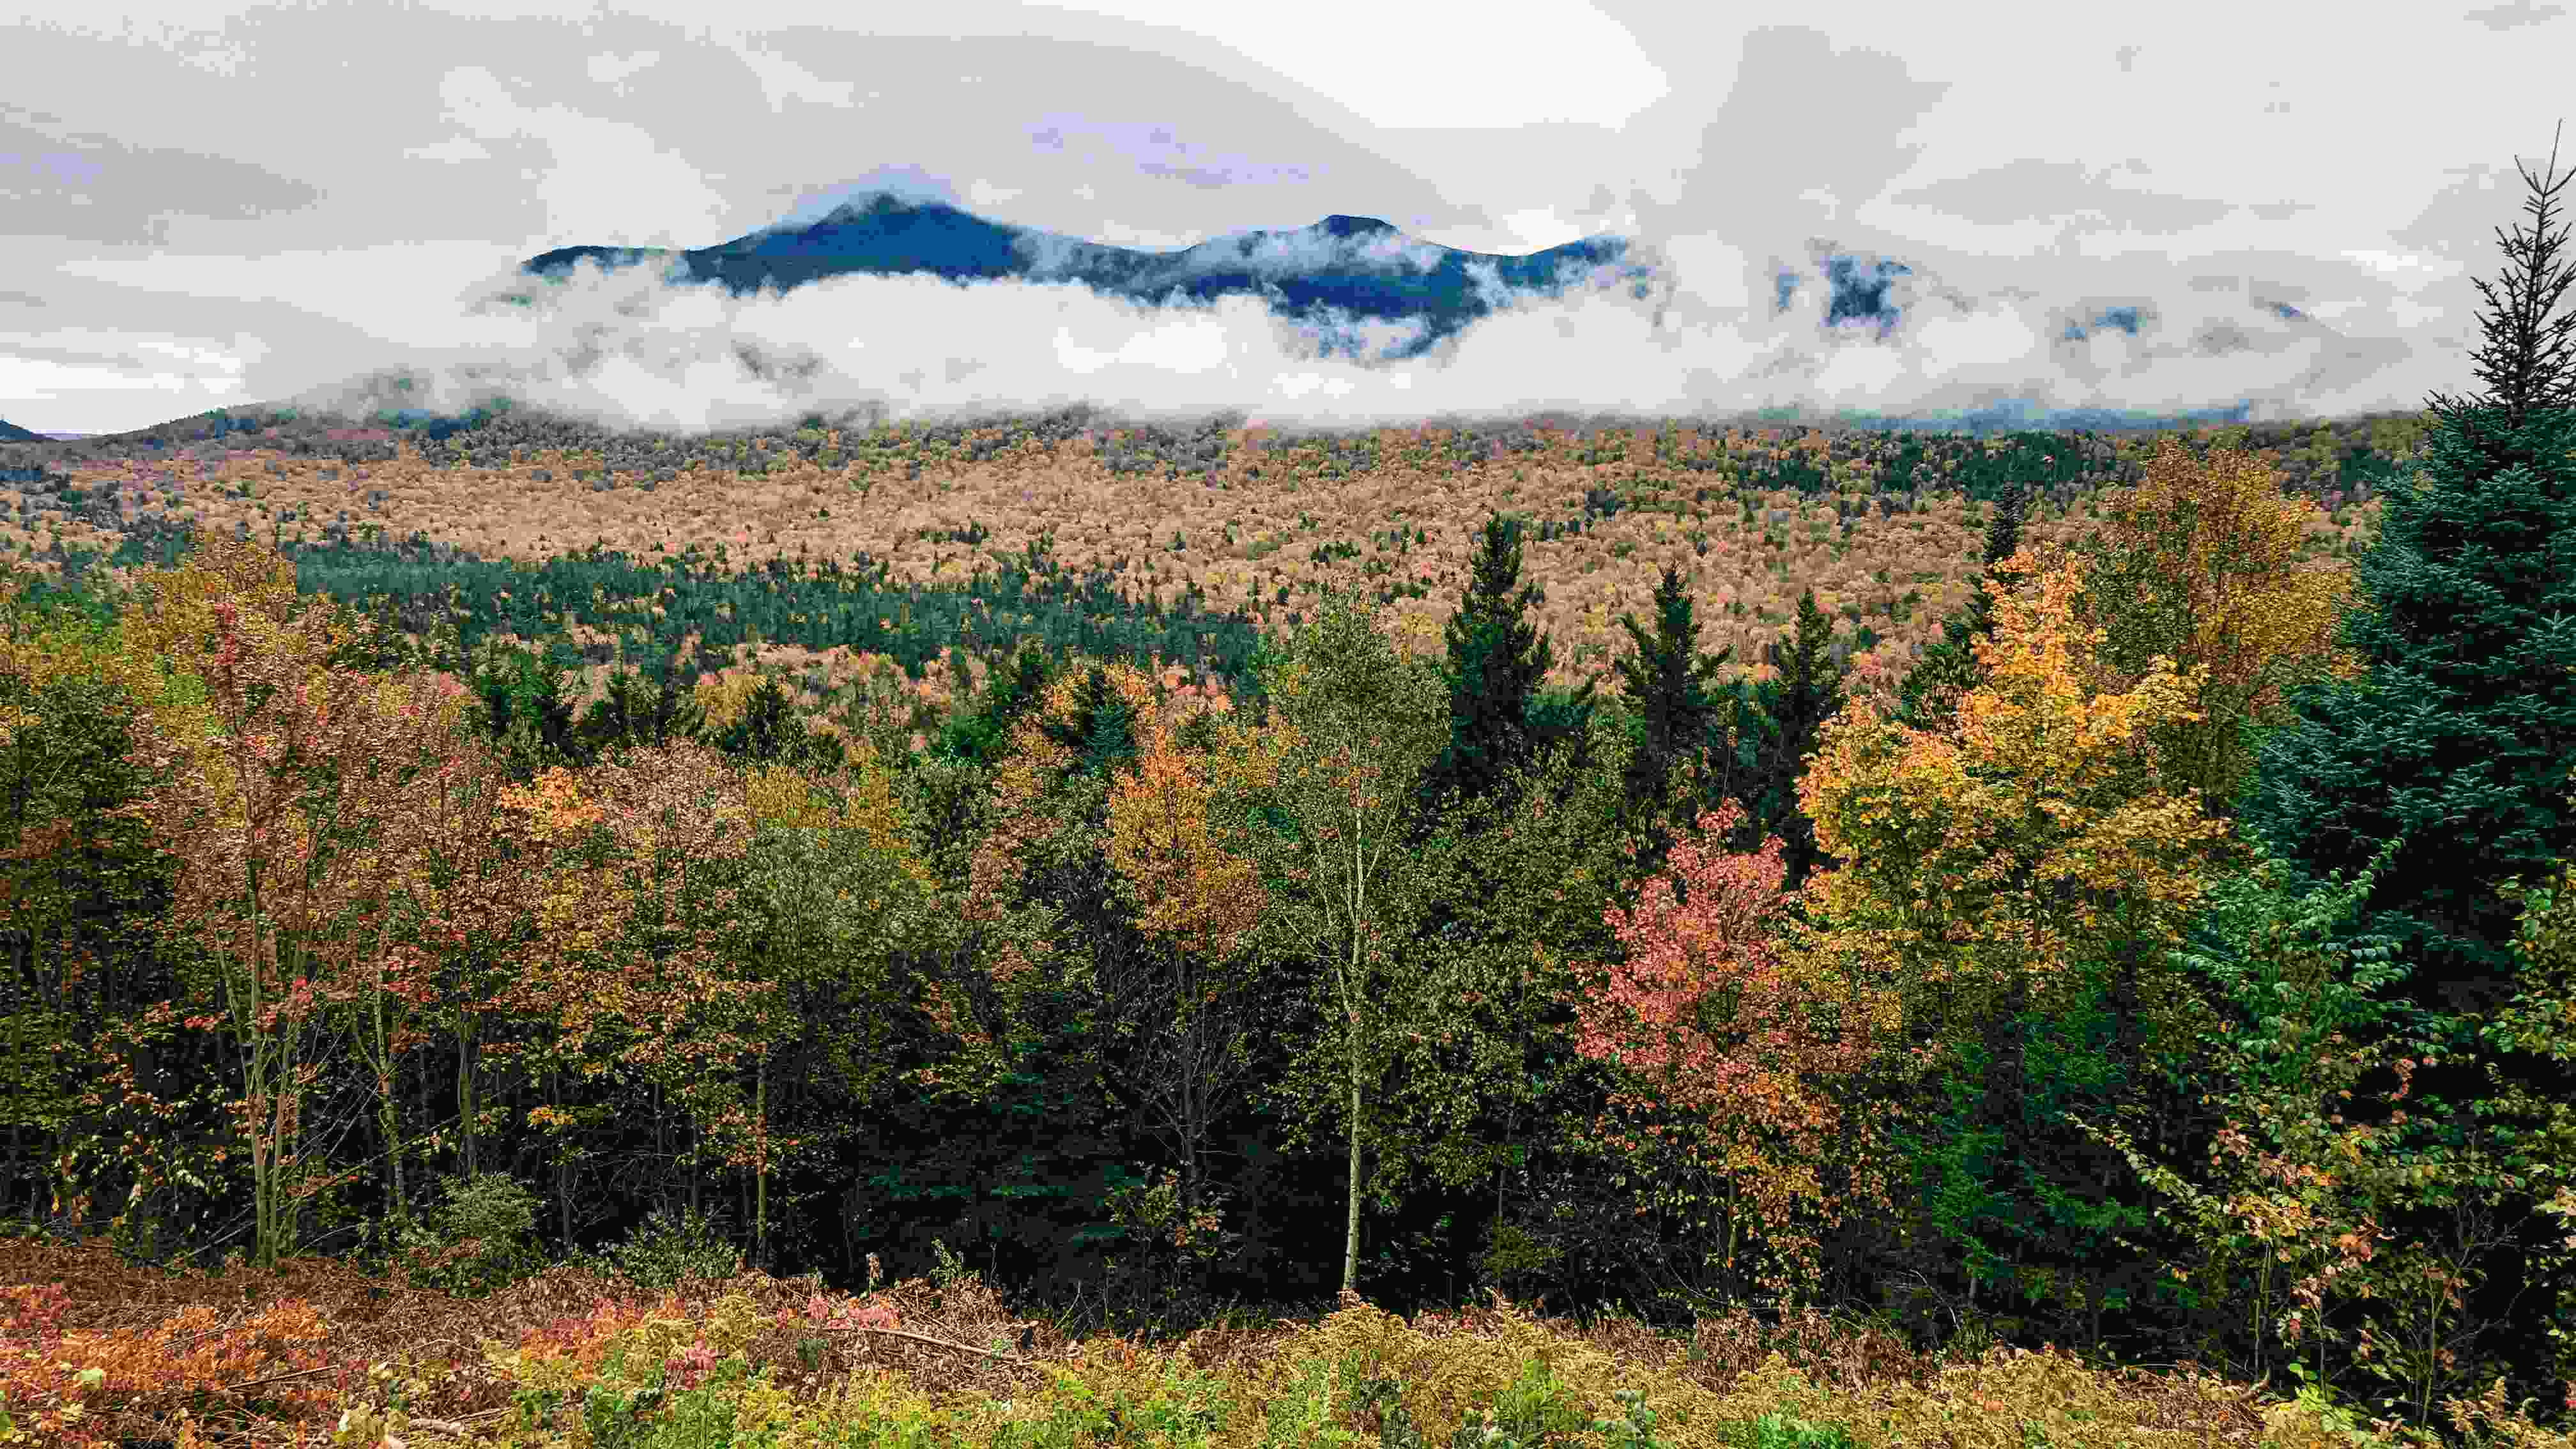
(2460, 734)
(1496, 659)
(1929, 697)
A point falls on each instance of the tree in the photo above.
(1100, 729)
(82, 885)
(2523, 359)
(526, 713)
(1496, 658)
(832, 892)
(1335, 773)
(1807, 693)
(288, 779)
(1200, 904)
(1668, 689)
(2203, 565)
(1929, 698)
(1712, 1021)
(2457, 736)
(1999, 878)
(472, 888)
(1509, 899)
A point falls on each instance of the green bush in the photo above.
(664, 1249)
(480, 1239)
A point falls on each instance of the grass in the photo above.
(574, 1358)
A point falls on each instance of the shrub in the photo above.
(665, 1248)
(479, 1240)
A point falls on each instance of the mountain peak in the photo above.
(1339, 224)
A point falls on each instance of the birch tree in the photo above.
(1332, 781)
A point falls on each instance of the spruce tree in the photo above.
(1668, 689)
(2459, 737)
(1102, 728)
(1807, 693)
(1929, 697)
(1496, 658)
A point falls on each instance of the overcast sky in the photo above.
(219, 204)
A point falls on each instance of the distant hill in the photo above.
(1346, 271)
(1354, 265)
(12, 433)
(1350, 282)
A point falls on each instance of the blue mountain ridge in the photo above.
(1326, 276)
(1357, 266)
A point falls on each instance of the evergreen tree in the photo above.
(1668, 688)
(635, 713)
(1807, 693)
(527, 716)
(1929, 697)
(1011, 689)
(1102, 729)
(2459, 737)
(1495, 661)
(770, 732)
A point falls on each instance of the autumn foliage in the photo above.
(1723, 1028)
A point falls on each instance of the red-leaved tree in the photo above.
(1719, 1028)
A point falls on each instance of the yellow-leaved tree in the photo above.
(2203, 565)
(2000, 879)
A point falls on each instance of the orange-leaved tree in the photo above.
(291, 783)
(1199, 903)
(641, 961)
(1713, 1022)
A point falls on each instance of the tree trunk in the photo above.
(467, 1107)
(563, 1160)
(760, 1193)
(388, 1105)
(1351, 1222)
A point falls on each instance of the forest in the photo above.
(2161, 958)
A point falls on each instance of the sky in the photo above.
(220, 204)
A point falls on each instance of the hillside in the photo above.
(1195, 537)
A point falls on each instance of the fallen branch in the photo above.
(933, 1342)
(414, 1423)
(280, 1378)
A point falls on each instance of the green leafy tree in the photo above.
(1511, 897)
(1335, 772)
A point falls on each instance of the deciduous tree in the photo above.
(1353, 724)
(1712, 1020)
(2005, 871)
(287, 776)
